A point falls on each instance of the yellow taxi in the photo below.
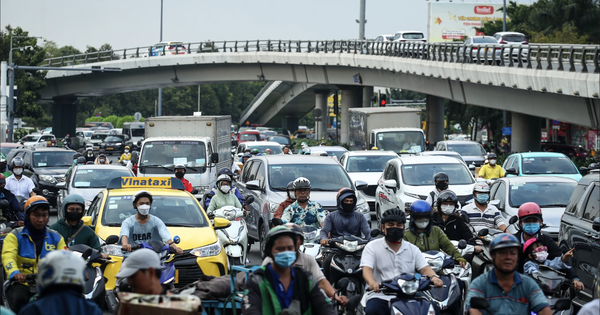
(181, 213)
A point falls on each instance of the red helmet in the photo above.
(530, 209)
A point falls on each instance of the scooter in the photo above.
(464, 274)
(449, 297)
(482, 262)
(94, 288)
(312, 244)
(554, 284)
(234, 238)
(29, 280)
(481, 303)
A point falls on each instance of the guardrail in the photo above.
(559, 57)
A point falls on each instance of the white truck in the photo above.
(201, 143)
(395, 129)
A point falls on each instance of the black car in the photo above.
(46, 167)
(580, 229)
(114, 144)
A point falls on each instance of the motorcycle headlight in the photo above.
(350, 246)
(363, 206)
(311, 235)
(207, 251)
(230, 215)
(48, 178)
(112, 250)
(408, 287)
(436, 264)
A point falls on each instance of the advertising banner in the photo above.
(450, 21)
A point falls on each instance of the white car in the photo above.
(408, 179)
(36, 140)
(170, 48)
(409, 37)
(368, 167)
(513, 39)
(97, 137)
(261, 146)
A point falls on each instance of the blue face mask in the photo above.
(482, 198)
(531, 228)
(285, 259)
(74, 160)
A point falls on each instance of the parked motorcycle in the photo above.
(234, 238)
(449, 297)
(94, 288)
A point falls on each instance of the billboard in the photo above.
(450, 21)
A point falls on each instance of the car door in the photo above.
(502, 194)
(28, 169)
(94, 209)
(383, 197)
(247, 175)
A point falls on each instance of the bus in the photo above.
(135, 131)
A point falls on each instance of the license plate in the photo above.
(176, 280)
(109, 148)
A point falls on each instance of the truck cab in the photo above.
(403, 141)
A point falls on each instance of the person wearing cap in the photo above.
(144, 227)
(491, 170)
(235, 169)
(28, 244)
(14, 212)
(481, 214)
(281, 288)
(101, 160)
(506, 290)
(142, 270)
(89, 155)
(180, 171)
(17, 183)
(126, 156)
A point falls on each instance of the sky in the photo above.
(134, 23)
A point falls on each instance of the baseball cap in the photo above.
(140, 259)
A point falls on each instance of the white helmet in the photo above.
(61, 267)
(223, 178)
(481, 187)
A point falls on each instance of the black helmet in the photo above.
(81, 159)
(446, 196)
(492, 156)
(140, 194)
(441, 177)
(102, 156)
(276, 233)
(504, 240)
(301, 183)
(179, 167)
(394, 214)
(76, 155)
(290, 190)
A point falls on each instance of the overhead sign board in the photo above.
(450, 21)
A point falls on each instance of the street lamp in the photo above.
(160, 89)
(21, 48)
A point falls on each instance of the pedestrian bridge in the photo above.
(559, 82)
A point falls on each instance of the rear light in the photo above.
(503, 42)
(526, 42)
(475, 48)
(498, 48)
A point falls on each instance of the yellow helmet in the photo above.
(374, 148)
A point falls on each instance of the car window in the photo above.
(413, 36)
(342, 159)
(161, 155)
(94, 208)
(422, 174)
(508, 162)
(275, 149)
(53, 159)
(97, 178)
(27, 158)
(548, 165)
(386, 174)
(575, 198)
(592, 207)
(493, 190)
(247, 171)
(466, 149)
(260, 174)
(113, 139)
(514, 38)
(484, 40)
(545, 194)
(323, 177)
(367, 163)
(250, 137)
(394, 175)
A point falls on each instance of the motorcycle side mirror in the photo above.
(562, 304)
(176, 239)
(483, 232)
(194, 192)
(87, 254)
(249, 199)
(479, 303)
(462, 244)
(514, 219)
(465, 217)
(113, 239)
(375, 232)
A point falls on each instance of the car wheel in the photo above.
(261, 239)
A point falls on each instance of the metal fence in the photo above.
(558, 57)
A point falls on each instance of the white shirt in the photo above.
(234, 168)
(387, 264)
(306, 262)
(21, 187)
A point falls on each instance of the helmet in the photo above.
(102, 156)
(374, 148)
(102, 150)
(70, 199)
(140, 194)
(61, 267)
(76, 155)
(225, 171)
(491, 156)
(420, 208)
(441, 177)
(81, 159)
(301, 183)
(296, 229)
(34, 202)
(223, 178)
(343, 194)
(179, 167)
(530, 209)
(127, 147)
(254, 151)
(481, 187)
(17, 162)
(248, 155)
(446, 196)
(504, 240)
(274, 234)
(2, 158)
(268, 151)
(323, 143)
(394, 214)
(303, 144)
(290, 189)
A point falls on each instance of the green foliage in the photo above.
(457, 113)
(22, 132)
(117, 122)
(38, 122)
(311, 142)
(567, 35)
(397, 94)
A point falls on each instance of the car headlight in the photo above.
(413, 195)
(48, 178)
(118, 143)
(207, 251)
(113, 250)
(363, 206)
(436, 264)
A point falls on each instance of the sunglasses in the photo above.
(540, 249)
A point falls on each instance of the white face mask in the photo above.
(291, 194)
(102, 160)
(541, 256)
(144, 209)
(448, 209)
(18, 171)
(225, 189)
(126, 151)
(421, 224)
(493, 162)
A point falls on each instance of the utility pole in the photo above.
(361, 28)
(504, 17)
(160, 89)
(199, 97)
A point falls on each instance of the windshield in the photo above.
(172, 210)
(422, 174)
(113, 139)
(542, 193)
(548, 165)
(327, 177)
(467, 149)
(367, 163)
(413, 36)
(249, 137)
(485, 41)
(98, 177)
(31, 138)
(137, 132)
(88, 134)
(99, 136)
(163, 155)
(514, 38)
(53, 159)
(280, 140)
(275, 149)
(5, 150)
(401, 141)
(99, 124)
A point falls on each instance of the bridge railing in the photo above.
(558, 57)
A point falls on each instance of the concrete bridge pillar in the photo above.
(290, 122)
(64, 116)
(435, 119)
(321, 103)
(367, 96)
(351, 97)
(526, 133)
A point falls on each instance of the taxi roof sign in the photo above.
(146, 182)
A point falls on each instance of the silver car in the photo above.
(480, 48)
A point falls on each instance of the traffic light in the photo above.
(382, 100)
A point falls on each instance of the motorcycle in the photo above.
(234, 238)
(94, 288)
(481, 303)
(463, 274)
(312, 244)
(449, 297)
(29, 281)
(482, 262)
(554, 284)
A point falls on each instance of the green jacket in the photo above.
(435, 239)
(260, 297)
(85, 236)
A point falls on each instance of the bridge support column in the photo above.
(367, 96)
(321, 103)
(526, 133)
(435, 119)
(290, 122)
(64, 116)
(350, 98)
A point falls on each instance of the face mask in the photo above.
(394, 235)
(482, 198)
(144, 209)
(225, 189)
(541, 256)
(421, 223)
(74, 160)
(285, 259)
(126, 151)
(90, 152)
(441, 185)
(18, 171)
(73, 216)
(348, 207)
(291, 195)
(531, 228)
(493, 162)
(179, 175)
(102, 160)
(447, 209)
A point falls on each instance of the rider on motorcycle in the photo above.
(89, 155)
(143, 270)
(60, 282)
(506, 290)
(126, 156)
(530, 222)
(3, 168)
(71, 226)
(291, 197)
(180, 171)
(426, 236)
(304, 211)
(67, 141)
(481, 214)
(234, 190)
(27, 245)
(441, 180)
(14, 212)
(101, 160)
(223, 197)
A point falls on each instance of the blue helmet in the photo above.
(420, 208)
(504, 240)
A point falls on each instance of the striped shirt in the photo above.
(488, 219)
